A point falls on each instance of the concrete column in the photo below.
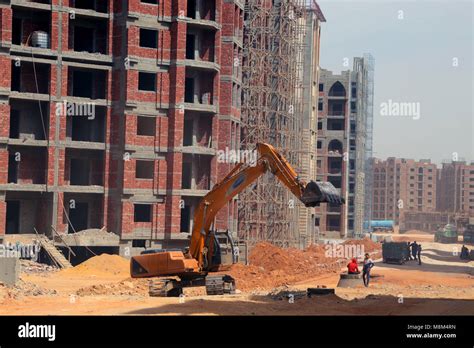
(193, 173)
(3, 213)
(198, 9)
(195, 129)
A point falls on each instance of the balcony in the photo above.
(199, 92)
(197, 138)
(202, 14)
(196, 173)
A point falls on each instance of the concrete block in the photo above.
(350, 281)
(9, 270)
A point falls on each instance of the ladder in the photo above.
(56, 256)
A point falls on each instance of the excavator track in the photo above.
(164, 288)
(220, 285)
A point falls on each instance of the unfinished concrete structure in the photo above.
(344, 145)
(280, 62)
(332, 146)
(307, 230)
(112, 113)
(455, 187)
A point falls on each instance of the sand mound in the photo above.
(369, 245)
(100, 265)
(271, 266)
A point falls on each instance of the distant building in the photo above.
(345, 145)
(402, 185)
(418, 195)
(456, 187)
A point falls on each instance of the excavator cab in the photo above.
(317, 192)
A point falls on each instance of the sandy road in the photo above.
(442, 285)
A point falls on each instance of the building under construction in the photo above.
(345, 146)
(160, 87)
(280, 74)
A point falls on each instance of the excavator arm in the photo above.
(242, 176)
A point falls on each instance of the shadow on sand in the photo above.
(318, 305)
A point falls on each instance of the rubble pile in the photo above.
(32, 267)
(22, 289)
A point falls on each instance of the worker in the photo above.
(418, 253)
(352, 267)
(464, 253)
(368, 264)
(414, 249)
(408, 258)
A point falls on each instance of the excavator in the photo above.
(179, 269)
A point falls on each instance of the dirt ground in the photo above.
(442, 285)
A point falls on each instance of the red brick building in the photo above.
(158, 83)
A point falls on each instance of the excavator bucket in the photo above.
(317, 192)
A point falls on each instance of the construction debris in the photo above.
(25, 289)
(92, 237)
(32, 267)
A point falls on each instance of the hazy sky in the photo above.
(414, 59)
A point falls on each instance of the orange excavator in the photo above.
(191, 267)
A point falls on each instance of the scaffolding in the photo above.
(369, 101)
(272, 105)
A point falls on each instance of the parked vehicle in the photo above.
(394, 252)
(380, 225)
(447, 234)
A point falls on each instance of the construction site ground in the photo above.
(442, 285)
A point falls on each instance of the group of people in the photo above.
(414, 252)
(353, 268)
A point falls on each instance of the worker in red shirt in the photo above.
(352, 267)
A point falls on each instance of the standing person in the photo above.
(368, 264)
(464, 253)
(408, 258)
(414, 249)
(419, 254)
